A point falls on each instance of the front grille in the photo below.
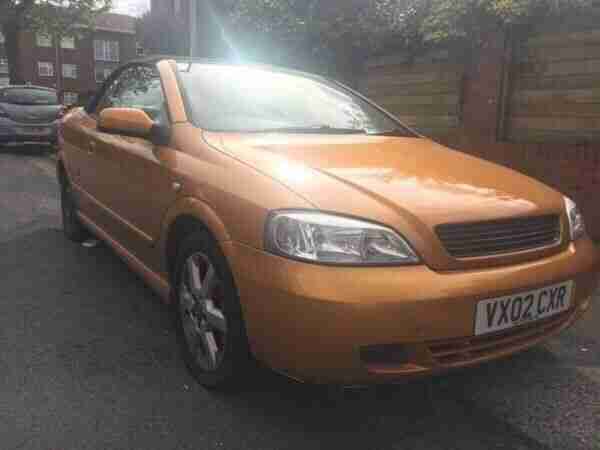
(456, 351)
(467, 240)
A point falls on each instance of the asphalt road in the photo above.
(88, 360)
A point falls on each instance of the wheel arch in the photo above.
(187, 216)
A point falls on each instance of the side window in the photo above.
(137, 87)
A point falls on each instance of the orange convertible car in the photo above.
(290, 220)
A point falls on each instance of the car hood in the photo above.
(412, 184)
(31, 113)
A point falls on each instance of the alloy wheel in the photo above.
(201, 309)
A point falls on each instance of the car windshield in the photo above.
(253, 99)
(29, 96)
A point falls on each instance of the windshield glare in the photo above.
(238, 98)
(28, 96)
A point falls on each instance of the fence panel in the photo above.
(555, 92)
(424, 94)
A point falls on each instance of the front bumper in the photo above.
(314, 322)
(12, 132)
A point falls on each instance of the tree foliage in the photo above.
(56, 18)
(314, 34)
(368, 26)
(467, 22)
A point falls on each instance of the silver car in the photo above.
(28, 114)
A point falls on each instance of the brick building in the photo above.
(75, 66)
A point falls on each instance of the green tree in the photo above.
(421, 24)
(360, 27)
(56, 18)
(319, 35)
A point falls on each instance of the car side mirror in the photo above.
(133, 122)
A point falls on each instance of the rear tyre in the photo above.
(72, 227)
(208, 315)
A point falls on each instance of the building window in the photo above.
(106, 50)
(69, 71)
(102, 74)
(177, 7)
(67, 42)
(70, 98)
(43, 40)
(139, 50)
(1, 38)
(45, 69)
(3, 65)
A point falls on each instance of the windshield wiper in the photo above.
(392, 132)
(320, 129)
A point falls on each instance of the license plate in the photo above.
(500, 313)
(35, 130)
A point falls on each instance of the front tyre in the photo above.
(72, 227)
(208, 314)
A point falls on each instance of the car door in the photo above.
(133, 187)
(78, 133)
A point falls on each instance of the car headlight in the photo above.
(576, 223)
(331, 239)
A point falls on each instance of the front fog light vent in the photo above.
(388, 354)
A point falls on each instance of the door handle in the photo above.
(92, 147)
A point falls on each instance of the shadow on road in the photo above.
(29, 150)
(90, 360)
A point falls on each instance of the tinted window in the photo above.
(28, 96)
(137, 87)
(238, 98)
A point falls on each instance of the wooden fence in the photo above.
(532, 104)
(424, 94)
(555, 87)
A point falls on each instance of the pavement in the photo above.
(88, 360)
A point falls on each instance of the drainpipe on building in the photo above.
(193, 27)
(58, 68)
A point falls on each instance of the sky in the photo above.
(132, 7)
